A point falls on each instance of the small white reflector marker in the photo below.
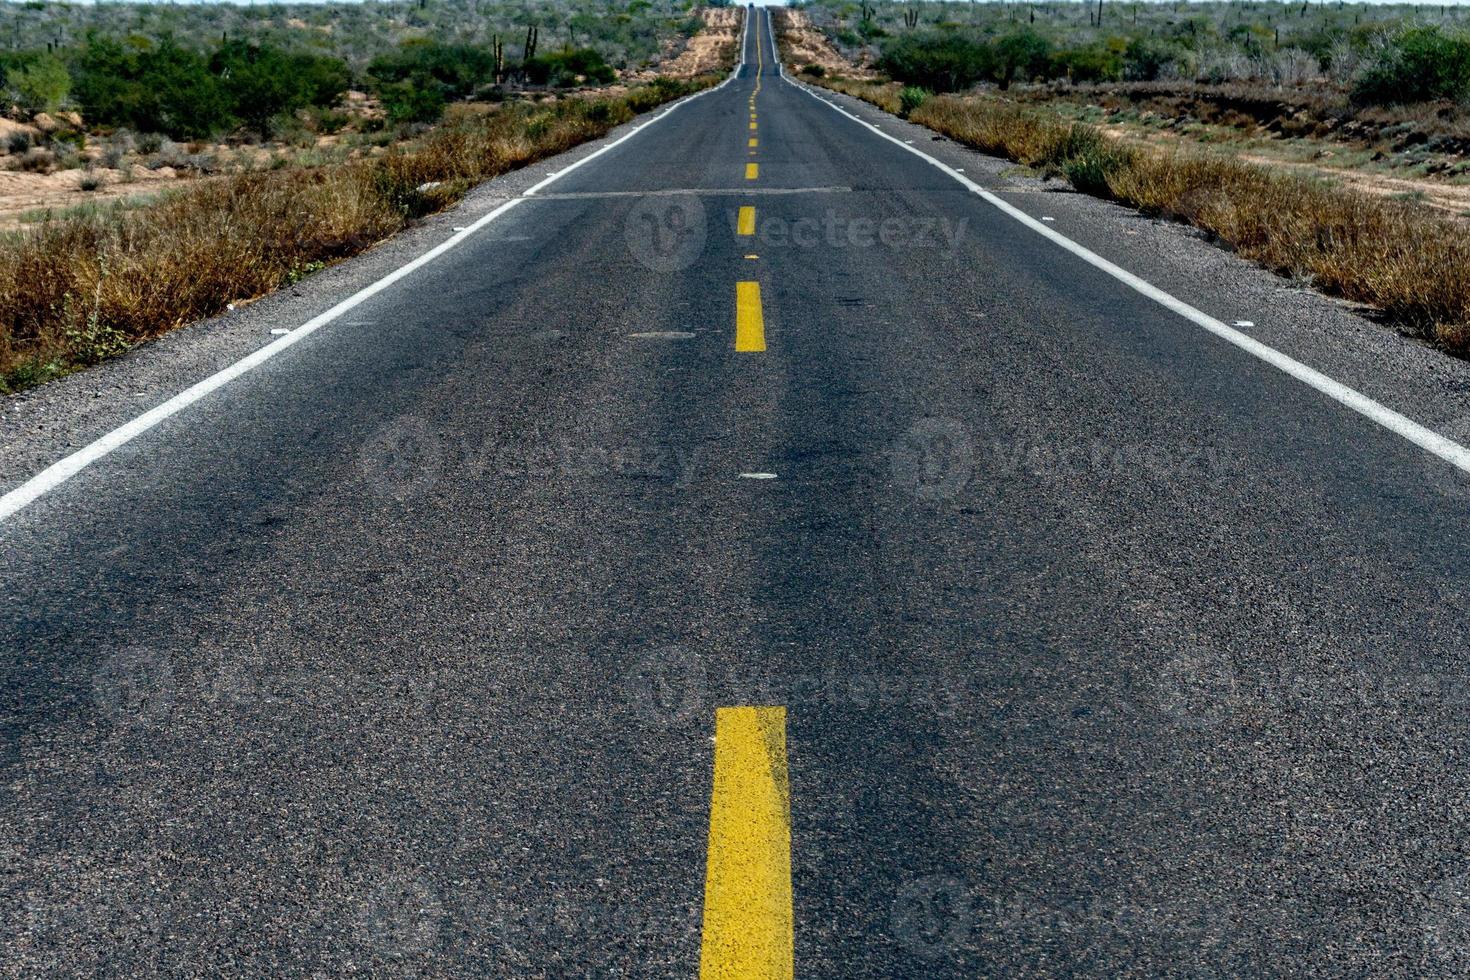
(279, 331)
(459, 227)
(757, 476)
(662, 335)
(1048, 219)
(1245, 323)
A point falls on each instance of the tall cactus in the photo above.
(911, 17)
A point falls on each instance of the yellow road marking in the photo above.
(753, 142)
(750, 322)
(745, 225)
(748, 928)
(752, 125)
(752, 256)
(752, 171)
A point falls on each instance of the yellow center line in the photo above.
(753, 142)
(745, 225)
(750, 322)
(752, 171)
(749, 933)
(752, 125)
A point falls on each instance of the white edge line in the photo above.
(1425, 438)
(64, 469)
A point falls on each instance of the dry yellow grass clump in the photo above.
(1403, 259)
(80, 289)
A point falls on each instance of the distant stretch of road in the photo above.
(752, 553)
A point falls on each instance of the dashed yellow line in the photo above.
(750, 321)
(749, 932)
(753, 142)
(752, 171)
(745, 224)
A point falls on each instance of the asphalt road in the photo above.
(1104, 648)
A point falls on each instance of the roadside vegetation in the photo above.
(1008, 89)
(299, 158)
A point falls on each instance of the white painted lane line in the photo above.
(64, 469)
(1425, 438)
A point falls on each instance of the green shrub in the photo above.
(940, 62)
(1093, 63)
(41, 84)
(417, 100)
(910, 99)
(1148, 60)
(569, 68)
(814, 70)
(1020, 56)
(1421, 64)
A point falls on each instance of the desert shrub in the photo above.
(568, 68)
(417, 100)
(456, 70)
(1093, 63)
(813, 70)
(262, 83)
(1420, 64)
(940, 62)
(165, 89)
(1147, 60)
(911, 98)
(19, 141)
(89, 181)
(40, 83)
(1020, 56)
(38, 160)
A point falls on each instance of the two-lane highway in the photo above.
(753, 553)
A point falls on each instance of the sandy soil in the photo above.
(1453, 199)
(21, 192)
(705, 51)
(803, 44)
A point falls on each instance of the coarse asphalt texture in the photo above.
(1105, 648)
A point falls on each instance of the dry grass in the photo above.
(1396, 256)
(83, 288)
